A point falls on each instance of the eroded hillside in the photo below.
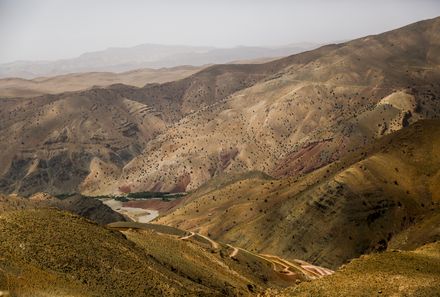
(318, 107)
(79, 141)
(393, 273)
(285, 117)
(317, 174)
(53, 143)
(356, 205)
(46, 252)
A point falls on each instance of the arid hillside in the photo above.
(19, 87)
(293, 168)
(56, 141)
(285, 118)
(393, 273)
(314, 108)
(92, 209)
(66, 255)
(386, 194)
(46, 252)
(79, 141)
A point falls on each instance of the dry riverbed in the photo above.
(136, 214)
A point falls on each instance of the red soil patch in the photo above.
(182, 183)
(310, 157)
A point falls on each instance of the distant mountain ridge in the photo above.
(285, 118)
(119, 59)
(20, 87)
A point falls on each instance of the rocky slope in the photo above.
(55, 142)
(89, 208)
(46, 252)
(315, 108)
(359, 204)
(79, 141)
(285, 118)
(393, 273)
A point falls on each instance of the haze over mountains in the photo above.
(19, 87)
(323, 103)
(145, 56)
(289, 170)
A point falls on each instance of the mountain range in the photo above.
(119, 59)
(20, 87)
(285, 117)
(315, 174)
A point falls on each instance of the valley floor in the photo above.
(135, 214)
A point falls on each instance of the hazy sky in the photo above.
(54, 29)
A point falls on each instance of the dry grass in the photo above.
(46, 252)
(414, 273)
(354, 206)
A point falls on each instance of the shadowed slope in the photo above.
(285, 117)
(65, 255)
(61, 245)
(321, 105)
(55, 142)
(94, 133)
(414, 273)
(353, 206)
(89, 208)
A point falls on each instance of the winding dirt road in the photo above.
(320, 271)
(234, 251)
(214, 244)
(280, 265)
(308, 269)
(191, 234)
